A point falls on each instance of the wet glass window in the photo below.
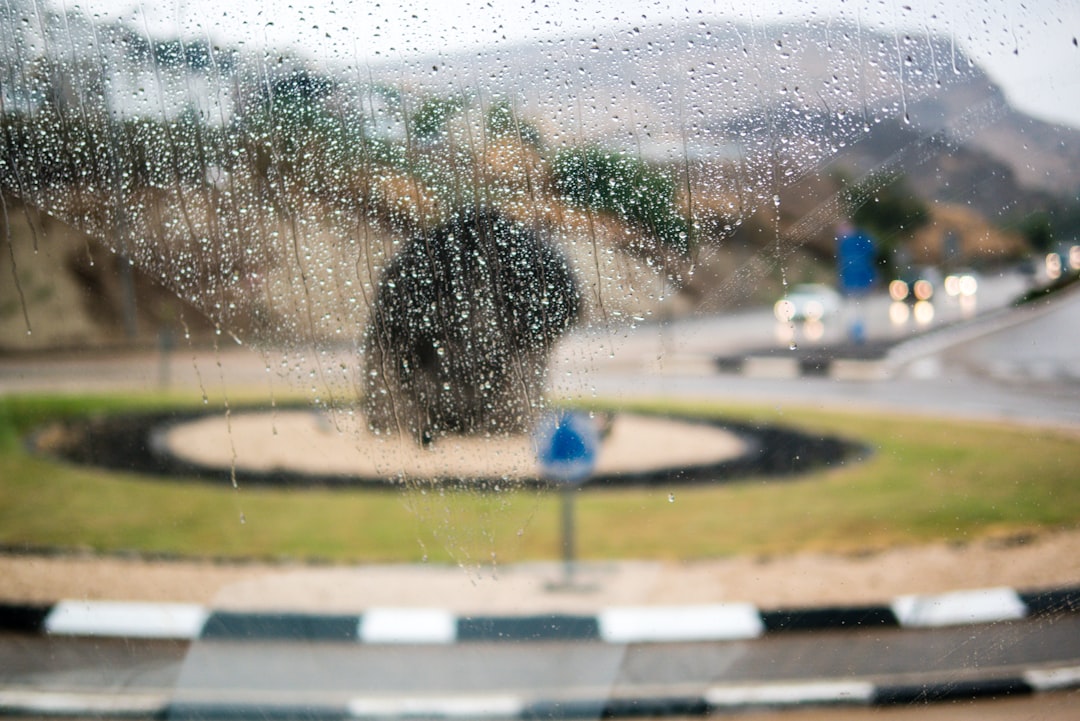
(539, 361)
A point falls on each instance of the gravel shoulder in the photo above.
(1047, 560)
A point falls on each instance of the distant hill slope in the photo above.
(762, 114)
(810, 92)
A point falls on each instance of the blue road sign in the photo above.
(566, 446)
(855, 261)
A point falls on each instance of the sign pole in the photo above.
(568, 534)
(567, 445)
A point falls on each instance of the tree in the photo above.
(464, 322)
(430, 120)
(296, 135)
(1038, 231)
(502, 121)
(889, 209)
(1059, 220)
(625, 186)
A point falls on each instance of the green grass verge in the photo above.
(927, 480)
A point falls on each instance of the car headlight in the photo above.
(968, 285)
(898, 290)
(1053, 266)
(784, 310)
(964, 284)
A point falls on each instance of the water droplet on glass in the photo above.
(671, 498)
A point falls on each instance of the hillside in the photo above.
(812, 94)
(729, 151)
(63, 289)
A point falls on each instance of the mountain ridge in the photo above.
(712, 91)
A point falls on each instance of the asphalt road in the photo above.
(757, 328)
(278, 675)
(1018, 365)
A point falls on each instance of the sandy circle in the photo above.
(318, 443)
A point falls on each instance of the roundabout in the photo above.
(299, 447)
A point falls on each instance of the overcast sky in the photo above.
(1029, 48)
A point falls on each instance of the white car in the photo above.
(809, 301)
(962, 283)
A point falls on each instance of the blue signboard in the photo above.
(567, 444)
(855, 261)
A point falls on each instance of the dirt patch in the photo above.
(323, 444)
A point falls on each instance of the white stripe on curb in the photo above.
(407, 625)
(126, 619)
(1053, 679)
(959, 608)
(720, 622)
(81, 704)
(468, 707)
(790, 694)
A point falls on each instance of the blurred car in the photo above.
(1062, 261)
(962, 283)
(915, 285)
(808, 301)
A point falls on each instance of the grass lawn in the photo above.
(926, 480)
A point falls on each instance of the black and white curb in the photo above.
(617, 625)
(715, 699)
